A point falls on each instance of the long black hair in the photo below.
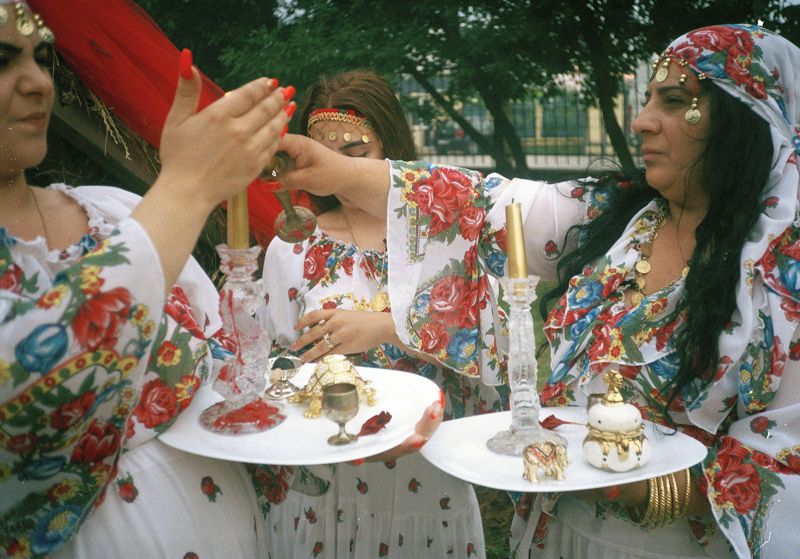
(736, 163)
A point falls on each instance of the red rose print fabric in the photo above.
(94, 367)
(590, 329)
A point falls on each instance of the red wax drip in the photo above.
(256, 412)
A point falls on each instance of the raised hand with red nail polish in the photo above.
(106, 321)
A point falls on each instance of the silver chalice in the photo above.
(340, 404)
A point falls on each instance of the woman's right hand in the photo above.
(213, 154)
(348, 332)
(207, 157)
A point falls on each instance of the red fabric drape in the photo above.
(120, 53)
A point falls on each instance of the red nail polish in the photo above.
(613, 493)
(285, 130)
(357, 462)
(185, 64)
(434, 415)
(288, 92)
(290, 109)
(419, 444)
(441, 397)
(275, 83)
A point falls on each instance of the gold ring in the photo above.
(327, 338)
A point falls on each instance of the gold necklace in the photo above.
(643, 266)
(380, 301)
(41, 217)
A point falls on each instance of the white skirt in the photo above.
(170, 504)
(575, 532)
(408, 510)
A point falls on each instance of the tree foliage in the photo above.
(209, 27)
(496, 51)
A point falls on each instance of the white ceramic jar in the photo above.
(615, 439)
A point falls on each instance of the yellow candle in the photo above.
(517, 262)
(238, 226)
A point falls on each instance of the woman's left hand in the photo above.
(424, 430)
(343, 331)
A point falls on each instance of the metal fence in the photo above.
(558, 134)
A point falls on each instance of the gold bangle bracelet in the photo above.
(652, 497)
(663, 489)
(655, 501)
(687, 493)
(674, 511)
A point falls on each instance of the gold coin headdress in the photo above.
(339, 121)
(661, 72)
(27, 21)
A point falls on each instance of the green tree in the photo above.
(472, 46)
(209, 27)
(497, 52)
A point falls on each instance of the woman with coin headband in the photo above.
(107, 325)
(683, 277)
(329, 294)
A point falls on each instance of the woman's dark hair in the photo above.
(369, 94)
(735, 168)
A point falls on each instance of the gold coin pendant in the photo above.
(643, 267)
(380, 302)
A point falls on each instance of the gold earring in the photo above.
(693, 115)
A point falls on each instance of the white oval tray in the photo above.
(459, 448)
(301, 441)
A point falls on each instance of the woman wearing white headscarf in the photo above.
(706, 340)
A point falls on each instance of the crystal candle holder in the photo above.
(525, 429)
(242, 379)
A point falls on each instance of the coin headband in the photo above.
(27, 21)
(661, 71)
(344, 116)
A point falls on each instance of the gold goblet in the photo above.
(340, 404)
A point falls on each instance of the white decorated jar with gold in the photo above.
(615, 440)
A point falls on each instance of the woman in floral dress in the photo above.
(328, 295)
(705, 334)
(91, 360)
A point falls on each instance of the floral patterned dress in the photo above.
(403, 508)
(448, 216)
(93, 367)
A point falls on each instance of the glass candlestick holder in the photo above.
(525, 429)
(242, 379)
